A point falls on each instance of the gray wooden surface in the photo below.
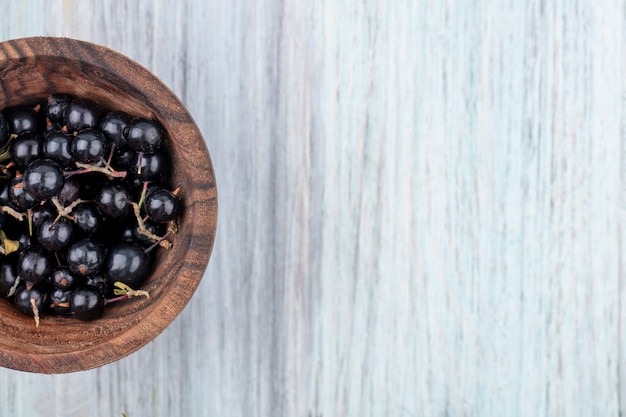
(421, 209)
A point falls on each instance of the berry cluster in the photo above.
(85, 198)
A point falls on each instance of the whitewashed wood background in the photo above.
(421, 203)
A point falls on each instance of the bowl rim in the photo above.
(144, 331)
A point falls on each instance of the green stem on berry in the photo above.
(5, 153)
(123, 292)
(137, 215)
(140, 162)
(7, 246)
(143, 194)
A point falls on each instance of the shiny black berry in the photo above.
(145, 135)
(57, 146)
(89, 146)
(87, 303)
(23, 119)
(25, 149)
(5, 198)
(81, 114)
(59, 301)
(100, 282)
(122, 159)
(30, 301)
(88, 218)
(19, 197)
(8, 275)
(85, 257)
(162, 205)
(43, 179)
(114, 126)
(70, 192)
(127, 263)
(155, 167)
(33, 265)
(42, 212)
(63, 278)
(112, 200)
(55, 235)
(56, 105)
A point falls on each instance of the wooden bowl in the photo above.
(33, 68)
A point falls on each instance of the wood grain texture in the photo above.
(422, 204)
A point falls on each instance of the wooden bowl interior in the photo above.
(35, 68)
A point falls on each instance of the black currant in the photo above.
(33, 265)
(162, 205)
(57, 146)
(122, 159)
(88, 218)
(112, 200)
(89, 146)
(145, 135)
(82, 113)
(5, 197)
(70, 192)
(30, 301)
(8, 275)
(154, 167)
(114, 126)
(85, 257)
(56, 105)
(87, 303)
(127, 263)
(25, 148)
(78, 180)
(23, 119)
(100, 282)
(63, 278)
(21, 198)
(43, 179)
(42, 212)
(55, 235)
(59, 301)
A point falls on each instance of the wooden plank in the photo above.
(420, 209)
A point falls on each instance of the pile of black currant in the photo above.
(85, 199)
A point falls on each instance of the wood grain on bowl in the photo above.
(33, 68)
